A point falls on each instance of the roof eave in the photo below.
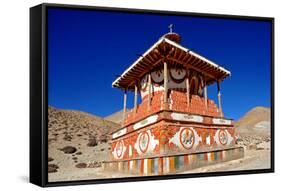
(163, 39)
(139, 59)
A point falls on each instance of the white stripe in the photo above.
(145, 166)
(167, 162)
(209, 156)
(131, 165)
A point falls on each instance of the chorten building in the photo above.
(176, 127)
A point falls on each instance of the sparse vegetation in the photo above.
(52, 168)
(68, 149)
(73, 135)
(92, 142)
(81, 165)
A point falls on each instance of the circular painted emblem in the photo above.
(223, 137)
(178, 74)
(119, 149)
(157, 76)
(143, 141)
(143, 82)
(187, 138)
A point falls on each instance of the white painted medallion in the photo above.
(223, 137)
(178, 74)
(119, 150)
(158, 76)
(186, 138)
(146, 142)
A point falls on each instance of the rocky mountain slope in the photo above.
(253, 129)
(76, 140)
(116, 117)
(255, 122)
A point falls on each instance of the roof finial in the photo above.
(171, 28)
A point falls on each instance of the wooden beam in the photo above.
(200, 64)
(165, 82)
(142, 65)
(148, 61)
(137, 70)
(187, 90)
(164, 48)
(124, 107)
(206, 66)
(171, 52)
(205, 93)
(184, 57)
(149, 92)
(136, 98)
(196, 60)
(189, 59)
(175, 55)
(151, 58)
(180, 55)
(219, 98)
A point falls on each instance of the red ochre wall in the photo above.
(177, 102)
(165, 139)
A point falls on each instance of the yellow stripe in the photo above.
(135, 166)
(172, 164)
(212, 156)
(148, 166)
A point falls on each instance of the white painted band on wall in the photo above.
(221, 121)
(147, 121)
(119, 133)
(186, 117)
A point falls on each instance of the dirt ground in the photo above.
(253, 159)
(77, 147)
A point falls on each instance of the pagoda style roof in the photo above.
(166, 50)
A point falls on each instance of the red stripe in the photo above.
(141, 167)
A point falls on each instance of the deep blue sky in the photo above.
(86, 49)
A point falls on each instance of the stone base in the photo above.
(171, 164)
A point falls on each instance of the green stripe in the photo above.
(177, 165)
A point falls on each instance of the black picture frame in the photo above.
(39, 96)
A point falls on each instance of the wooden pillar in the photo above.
(219, 98)
(136, 98)
(124, 106)
(149, 92)
(205, 93)
(187, 91)
(165, 83)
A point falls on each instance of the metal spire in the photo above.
(171, 28)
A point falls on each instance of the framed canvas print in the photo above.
(128, 95)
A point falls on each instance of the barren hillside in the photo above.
(116, 117)
(255, 122)
(76, 140)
